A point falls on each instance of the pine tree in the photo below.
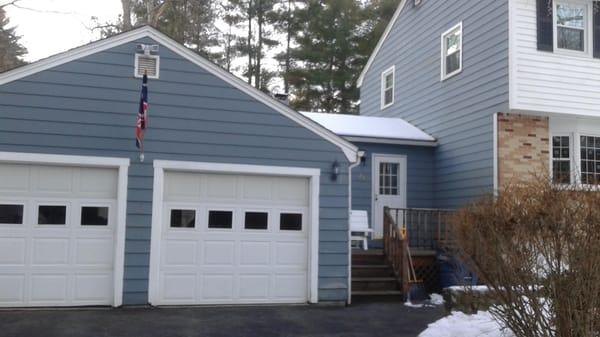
(327, 46)
(11, 51)
(285, 22)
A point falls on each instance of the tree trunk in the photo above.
(249, 45)
(286, 81)
(260, 20)
(126, 4)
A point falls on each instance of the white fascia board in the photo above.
(382, 39)
(391, 141)
(350, 151)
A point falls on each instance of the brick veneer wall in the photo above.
(523, 147)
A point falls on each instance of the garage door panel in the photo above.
(291, 253)
(12, 289)
(96, 252)
(96, 288)
(12, 251)
(182, 186)
(255, 253)
(223, 187)
(180, 253)
(98, 183)
(179, 287)
(15, 178)
(218, 287)
(51, 180)
(219, 253)
(254, 286)
(236, 265)
(257, 188)
(48, 288)
(292, 191)
(290, 286)
(50, 251)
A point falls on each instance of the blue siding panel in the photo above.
(458, 112)
(420, 175)
(88, 107)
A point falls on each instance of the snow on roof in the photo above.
(370, 127)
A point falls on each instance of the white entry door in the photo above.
(389, 187)
(233, 238)
(57, 235)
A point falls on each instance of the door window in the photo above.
(388, 178)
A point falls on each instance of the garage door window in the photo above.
(290, 221)
(256, 220)
(11, 214)
(94, 216)
(52, 215)
(220, 219)
(183, 218)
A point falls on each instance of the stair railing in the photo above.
(395, 248)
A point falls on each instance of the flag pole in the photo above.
(142, 139)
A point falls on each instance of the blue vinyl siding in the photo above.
(420, 175)
(89, 106)
(458, 112)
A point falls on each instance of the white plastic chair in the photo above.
(359, 226)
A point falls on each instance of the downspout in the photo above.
(359, 156)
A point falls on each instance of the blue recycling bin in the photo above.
(453, 272)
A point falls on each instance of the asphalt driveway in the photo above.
(361, 319)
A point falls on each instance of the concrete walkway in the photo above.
(361, 319)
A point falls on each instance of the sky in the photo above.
(48, 27)
(52, 26)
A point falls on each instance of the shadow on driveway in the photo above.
(360, 319)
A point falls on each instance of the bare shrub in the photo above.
(537, 248)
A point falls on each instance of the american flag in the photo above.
(142, 118)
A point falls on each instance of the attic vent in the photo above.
(148, 63)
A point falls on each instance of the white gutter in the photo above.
(359, 155)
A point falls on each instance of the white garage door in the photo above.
(233, 239)
(57, 231)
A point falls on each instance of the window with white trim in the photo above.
(387, 87)
(590, 160)
(561, 159)
(571, 25)
(452, 51)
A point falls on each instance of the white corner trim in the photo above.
(160, 166)
(348, 148)
(382, 39)
(443, 75)
(122, 164)
(384, 74)
(512, 55)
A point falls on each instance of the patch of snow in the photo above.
(477, 289)
(459, 324)
(434, 300)
(368, 126)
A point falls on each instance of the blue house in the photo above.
(239, 199)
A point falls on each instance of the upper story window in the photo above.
(452, 51)
(571, 26)
(387, 87)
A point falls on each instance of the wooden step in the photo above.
(376, 293)
(375, 283)
(374, 270)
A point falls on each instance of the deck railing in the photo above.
(427, 229)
